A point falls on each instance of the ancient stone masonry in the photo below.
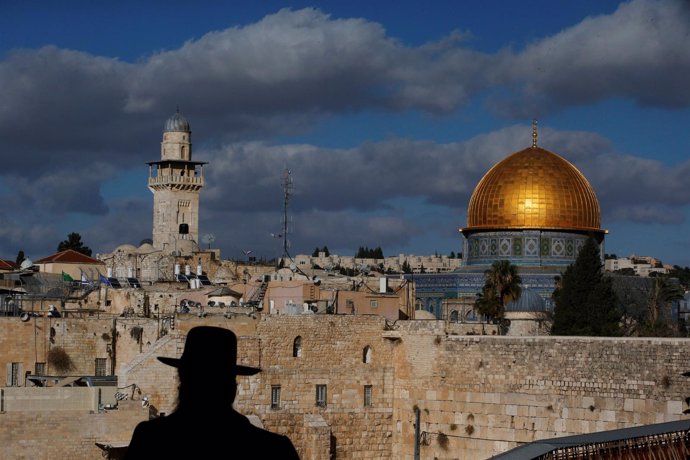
(476, 395)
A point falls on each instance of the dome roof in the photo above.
(528, 301)
(127, 248)
(533, 189)
(177, 123)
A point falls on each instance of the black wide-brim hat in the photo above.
(211, 348)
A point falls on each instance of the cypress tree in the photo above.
(585, 300)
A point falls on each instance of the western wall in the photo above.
(475, 396)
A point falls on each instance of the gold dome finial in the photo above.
(534, 132)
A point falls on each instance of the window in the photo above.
(454, 316)
(373, 303)
(321, 395)
(275, 396)
(297, 347)
(368, 391)
(40, 369)
(101, 367)
(366, 355)
(13, 372)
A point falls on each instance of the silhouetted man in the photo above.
(204, 424)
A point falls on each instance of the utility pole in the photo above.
(287, 191)
(416, 432)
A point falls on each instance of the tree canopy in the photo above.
(365, 253)
(585, 301)
(501, 285)
(324, 250)
(406, 267)
(74, 242)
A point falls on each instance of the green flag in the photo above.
(66, 277)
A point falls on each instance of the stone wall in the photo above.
(74, 434)
(477, 395)
(480, 396)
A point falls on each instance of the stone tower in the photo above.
(175, 182)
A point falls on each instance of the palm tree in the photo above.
(501, 285)
(661, 294)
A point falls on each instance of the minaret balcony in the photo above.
(176, 180)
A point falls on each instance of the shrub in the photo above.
(60, 360)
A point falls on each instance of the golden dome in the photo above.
(534, 189)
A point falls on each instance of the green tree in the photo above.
(317, 250)
(501, 285)
(585, 301)
(406, 267)
(682, 274)
(20, 258)
(365, 253)
(662, 293)
(74, 242)
(487, 304)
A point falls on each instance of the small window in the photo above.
(373, 303)
(13, 375)
(321, 395)
(454, 316)
(297, 347)
(275, 396)
(368, 391)
(101, 367)
(366, 355)
(40, 369)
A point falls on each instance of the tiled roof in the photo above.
(7, 265)
(69, 256)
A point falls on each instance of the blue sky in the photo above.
(387, 114)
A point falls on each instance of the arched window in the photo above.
(366, 354)
(297, 347)
(454, 316)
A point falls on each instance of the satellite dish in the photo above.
(26, 264)
(364, 269)
(24, 317)
(293, 267)
(208, 239)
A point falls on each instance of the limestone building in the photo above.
(176, 181)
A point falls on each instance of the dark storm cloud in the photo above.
(63, 191)
(638, 53)
(287, 70)
(261, 232)
(304, 61)
(370, 178)
(129, 221)
(65, 114)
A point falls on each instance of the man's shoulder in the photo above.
(261, 433)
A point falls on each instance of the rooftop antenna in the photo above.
(287, 191)
(209, 238)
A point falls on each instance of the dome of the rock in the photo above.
(534, 189)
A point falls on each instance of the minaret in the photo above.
(175, 182)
